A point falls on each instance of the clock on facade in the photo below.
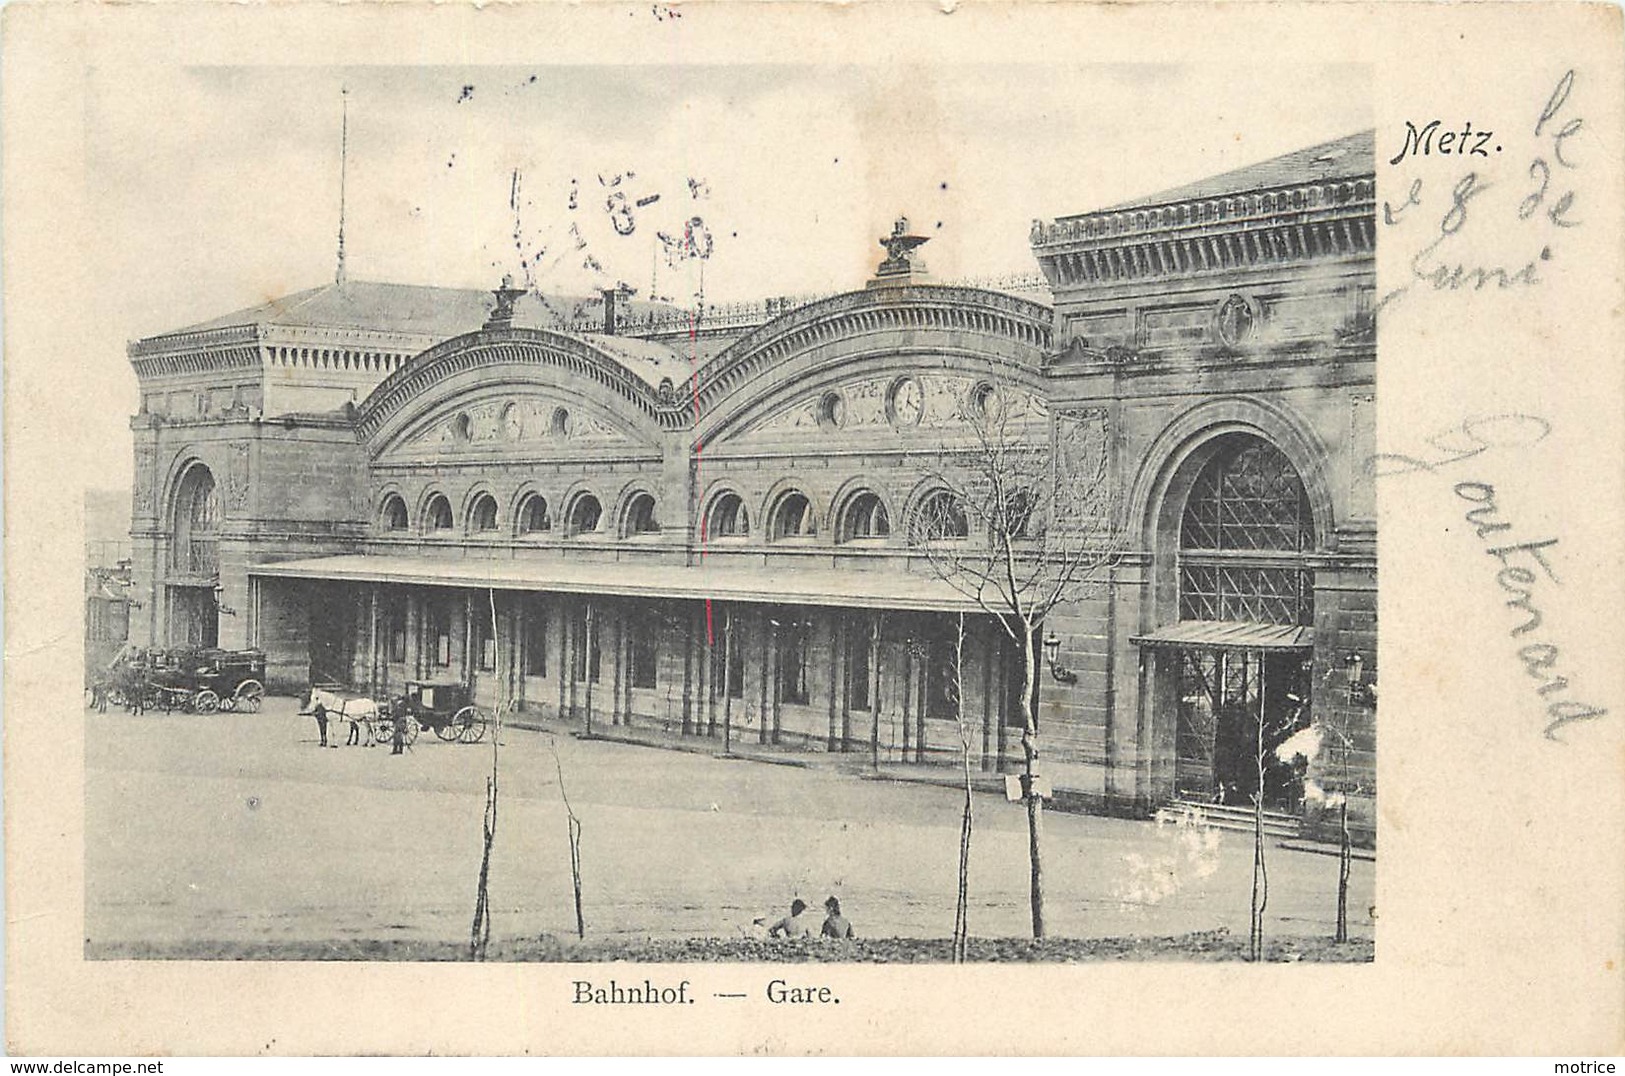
(905, 402)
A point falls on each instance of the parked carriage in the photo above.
(447, 707)
(190, 679)
(230, 680)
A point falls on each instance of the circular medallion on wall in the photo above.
(1236, 320)
(905, 402)
(831, 411)
(986, 403)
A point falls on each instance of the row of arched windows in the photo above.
(939, 516)
(863, 516)
(584, 514)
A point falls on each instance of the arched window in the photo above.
(437, 514)
(865, 517)
(1246, 529)
(200, 502)
(196, 527)
(482, 516)
(585, 512)
(393, 517)
(640, 516)
(941, 518)
(533, 517)
(728, 518)
(793, 517)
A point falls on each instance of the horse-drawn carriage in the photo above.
(447, 707)
(189, 679)
(443, 706)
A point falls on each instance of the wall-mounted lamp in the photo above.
(225, 610)
(1052, 650)
(1360, 692)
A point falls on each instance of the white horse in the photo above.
(359, 710)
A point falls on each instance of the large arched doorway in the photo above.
(1238, 656)
(194, 561)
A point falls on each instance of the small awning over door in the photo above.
(1228, 635)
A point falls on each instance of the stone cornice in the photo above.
(534, 346)
(217, 356)
(1331, 219)
(1290, 203)
(180, 342)
(917, 307)
(239, 347)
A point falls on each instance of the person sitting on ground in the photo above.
(835, 924)
(792, 925)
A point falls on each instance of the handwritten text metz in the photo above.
(1546, 196)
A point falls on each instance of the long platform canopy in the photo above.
(779, 586)
(1228, 635)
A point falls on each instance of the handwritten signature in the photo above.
(1473, 437)
(1516, 577)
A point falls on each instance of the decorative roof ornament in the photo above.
(901, 265)
(506, 295)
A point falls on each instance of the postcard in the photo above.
(704, 528)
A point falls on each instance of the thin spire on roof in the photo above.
(344, 167)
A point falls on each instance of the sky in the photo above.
(228, 195)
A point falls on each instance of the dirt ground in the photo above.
(238, 836)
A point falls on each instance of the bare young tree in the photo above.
(480, 932)
(1262, 755)
(572, 830)
(1017, 519)
(1337, 726)
(962, 905)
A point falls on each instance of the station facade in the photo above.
(716, 528)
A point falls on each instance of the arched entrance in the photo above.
(1235, 663)
(194, 561)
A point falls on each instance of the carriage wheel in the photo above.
(383, 731)
(412, 729)
(228, 703)
(474, 731)
(117, 697)
(206, 702)
(453, 727)
(250, 693)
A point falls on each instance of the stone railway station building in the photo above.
(707, 527)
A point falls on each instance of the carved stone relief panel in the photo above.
(520, 421)
(237, 476)
(929, 400)
(1361, 447)
(1082, 459)
(145, 464)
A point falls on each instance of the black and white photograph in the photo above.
(665, 513)
(691, 570)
